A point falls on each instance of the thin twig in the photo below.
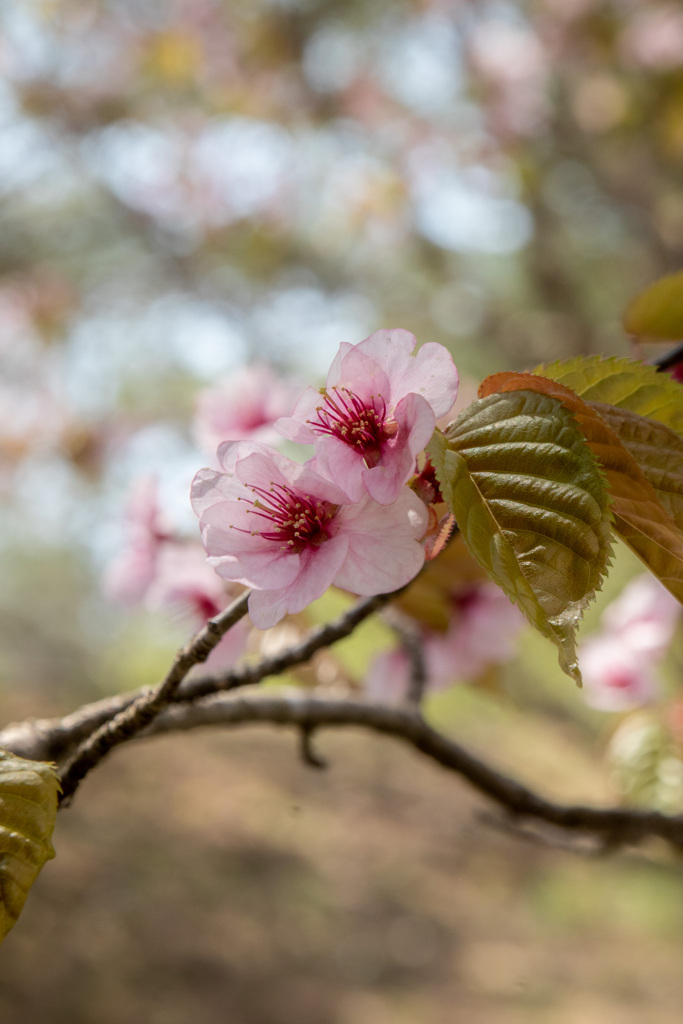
(411, 642)
(138, 715)
(276, 664)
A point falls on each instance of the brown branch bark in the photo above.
(612, 826)
(142, 711)
(53, 739)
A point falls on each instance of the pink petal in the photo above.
(209, 487)
(295, 427)
(432, 374)
(416, 423)
(247, 559)
(384, 482)
(318, 569)
(389, 347)
(266, 607)
(342, 463)
(335, 369)
(363, 376)
(264, 468)
(384, 549)
(319, 566)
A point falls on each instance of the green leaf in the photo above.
(532, 506)
(641, 512)
(28, 807)
(657, 312)
(622, 382)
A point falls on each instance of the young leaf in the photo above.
(657, 312)
(641, 516)
(28, 807)
(624, 383)
(532, 506)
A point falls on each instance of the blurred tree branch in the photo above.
(163, 710)
(614, 826)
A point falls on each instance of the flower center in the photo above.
(295, 521)
(364, 427)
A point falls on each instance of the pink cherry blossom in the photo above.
(131, 572)
(243, 406)
(483, 631)
(289, 533)
(654, 37)
(183, 580)
(376, 413)
(620, 664)
(184, 583)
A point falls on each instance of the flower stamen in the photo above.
(348, 418)
(297, 521)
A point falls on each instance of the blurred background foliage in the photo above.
(187, 186)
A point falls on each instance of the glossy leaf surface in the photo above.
(532, 506)
(641, 513)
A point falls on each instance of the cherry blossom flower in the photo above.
(185, 584)
(183, 580)
(654, 37)
(244, 406)
(376, 413)
(620, 664)
(289, 533)
(483, 631)
(130, 574)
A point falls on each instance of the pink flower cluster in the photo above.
(620, 664)
(159, 570)
(345, 517)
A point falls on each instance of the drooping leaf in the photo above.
(641, 514)
(657, 450)
(28, 807)
(624, 383)
(532, 506)
(657, 312)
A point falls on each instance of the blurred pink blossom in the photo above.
(242, 407)
(183, 580)
(483, 631)
(620, 664)
(159, 571)
(654, 37)
(377, 411)
(511, 61)
(186, 584)
(128, 577)
(289, 533)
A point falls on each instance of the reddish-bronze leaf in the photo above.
(641, 514)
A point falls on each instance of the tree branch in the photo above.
(142, 711)
(52, 739)
(613, 826)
